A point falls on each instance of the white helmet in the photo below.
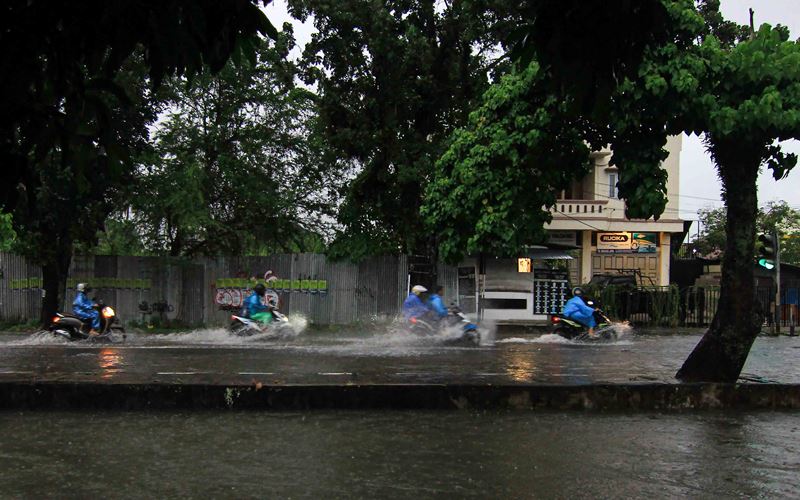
(81, 287)
(418, 289)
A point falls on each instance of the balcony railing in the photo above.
(580, 207)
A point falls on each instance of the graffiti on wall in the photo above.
(232, 292)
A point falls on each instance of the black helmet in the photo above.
(577, 291)
(260, 290)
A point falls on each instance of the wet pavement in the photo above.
(215, 357)
(398, 454)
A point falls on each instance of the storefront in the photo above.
(521, 290)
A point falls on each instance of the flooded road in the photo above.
(216, 357)
(395, 454)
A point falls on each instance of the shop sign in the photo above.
(625, 242)
(523, 265)
(644, 242)
(567, 238)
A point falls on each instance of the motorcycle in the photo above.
(570, 329)
(73, 328)
(429, 326)
(279, 327)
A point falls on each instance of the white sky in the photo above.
(699, 185)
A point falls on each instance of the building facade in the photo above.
(589, 236)
(591, 216)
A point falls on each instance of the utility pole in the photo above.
(777, 236)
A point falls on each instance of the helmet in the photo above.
(577, 291)
(260, 290)
(418, 289)
(83, 287)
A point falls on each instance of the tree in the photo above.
(395, 78)
(712, 235)
(65, 115)
(492, 187)
(234, 167)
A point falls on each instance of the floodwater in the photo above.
(214, 356)
(393, 454)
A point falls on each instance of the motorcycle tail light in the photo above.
(56, 319)
(108, 312)
(414, 320)
(233, 318)
(555, 319)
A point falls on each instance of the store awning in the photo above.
(547, 254)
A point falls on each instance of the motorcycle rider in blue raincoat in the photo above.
(436, 304)
(413, 307)
(83, 308)
(254, 308)
(576, 309)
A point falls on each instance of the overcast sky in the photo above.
(699, 186)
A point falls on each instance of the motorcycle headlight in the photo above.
(108, 312)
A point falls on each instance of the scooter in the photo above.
(573, 330)
(279, 327)
(73, 328)
(455, 320)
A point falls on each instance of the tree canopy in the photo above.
(394, 79)
(233, 167)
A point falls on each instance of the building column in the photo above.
(663, 259)
(586, 256)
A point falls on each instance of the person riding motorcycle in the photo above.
(413, 307)
(84, 308)
(576, 309)
(436, 304)
(255, 309)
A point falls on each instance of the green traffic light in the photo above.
(766, 263)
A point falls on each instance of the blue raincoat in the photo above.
(577, 309)
(413, 307)
(253, 305)
(83, 308)
(436, 303)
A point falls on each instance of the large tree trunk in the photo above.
(722, 352)
(54, 277)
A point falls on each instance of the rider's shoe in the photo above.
(93, 333)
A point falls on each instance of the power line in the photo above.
(674, 194)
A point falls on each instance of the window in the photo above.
(613, 192)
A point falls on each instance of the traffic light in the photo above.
(767, 250)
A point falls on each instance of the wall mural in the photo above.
(232, 292)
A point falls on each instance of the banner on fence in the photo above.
(97, 283)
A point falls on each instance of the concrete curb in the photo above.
(600, 397)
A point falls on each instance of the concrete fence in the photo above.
(204, 291)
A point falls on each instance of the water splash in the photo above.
(548, 338)
(299, 323)
(39, 338)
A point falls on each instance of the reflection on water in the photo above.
(399, 455)
(110, 362)
(520, 366)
